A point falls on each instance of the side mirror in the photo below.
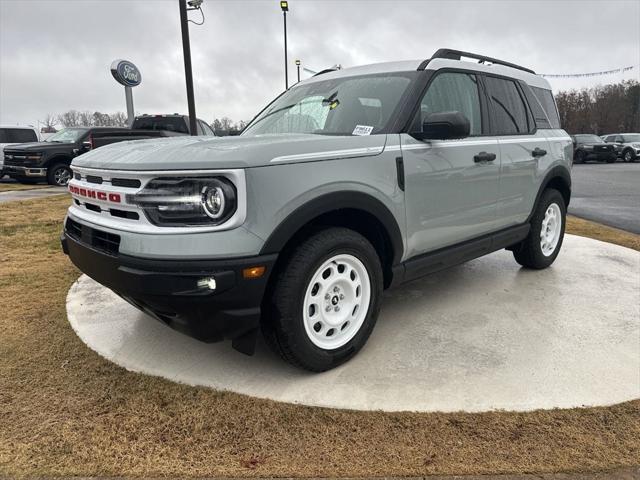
(444, 126)
(86, 146)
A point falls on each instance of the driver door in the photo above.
(451, 185)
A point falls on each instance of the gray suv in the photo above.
(348, 183)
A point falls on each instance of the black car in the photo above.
(592, 147)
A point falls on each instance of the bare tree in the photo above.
(50, 121)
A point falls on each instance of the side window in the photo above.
(450, 92)
(508, 110)
(545, 97)
(22, 135)
(199, 127)
(618, 139)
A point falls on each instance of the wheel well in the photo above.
(561, 184)
(58, 159)
(361, 221)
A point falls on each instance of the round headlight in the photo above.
(213, 201)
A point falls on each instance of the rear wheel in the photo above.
(325, 300)
(542, 245)
(578, 157)
(59, 174)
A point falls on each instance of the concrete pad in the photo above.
(481, 336)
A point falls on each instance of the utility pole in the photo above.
(284, 5)
(186, 50)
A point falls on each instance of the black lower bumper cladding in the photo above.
(168, 290)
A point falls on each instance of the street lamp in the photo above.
(298, 67)
(284, 5)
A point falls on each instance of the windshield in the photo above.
(68, 135)
(635, 137)
(589, 139)
(342, 106)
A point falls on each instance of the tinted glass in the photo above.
(335, 107)
(509, 112)
(4, 135)
(545, 97)
(171, 124)
(451, 92)
(22, 135)
(589, 139)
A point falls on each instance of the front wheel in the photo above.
(59, 175)
(578, 157)
(542, 245)
(629, 156)
(325, 300)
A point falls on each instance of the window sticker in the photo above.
(362, 130)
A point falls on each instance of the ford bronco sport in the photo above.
(348, 183)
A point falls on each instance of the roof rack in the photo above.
(326, 70)
(457, 54)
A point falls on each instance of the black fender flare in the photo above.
(559, 171)
(329, 202)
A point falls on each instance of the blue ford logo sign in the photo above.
(126, 73)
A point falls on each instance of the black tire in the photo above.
(529, 252)
(283, 323)
(578, 157)
(59, 174)
(628, 155)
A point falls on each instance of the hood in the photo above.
(195, 153)
(37, 146)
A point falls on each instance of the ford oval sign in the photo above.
(126, 73)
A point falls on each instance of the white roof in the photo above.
(435, 64)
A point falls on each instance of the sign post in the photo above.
(127, 74)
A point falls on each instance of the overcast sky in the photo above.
(55, 54)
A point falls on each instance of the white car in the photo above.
(13, 134)
(627, 145)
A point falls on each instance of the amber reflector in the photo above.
(253, 272)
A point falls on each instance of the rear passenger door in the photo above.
(522, 149)
(450, 197)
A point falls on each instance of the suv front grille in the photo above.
(104, 242)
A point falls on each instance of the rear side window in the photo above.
(171, 124)
(22, 135)
(545, 97)
(454, 92)
(508, 110)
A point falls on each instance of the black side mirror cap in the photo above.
(444, 126)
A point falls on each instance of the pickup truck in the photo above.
(50, 160)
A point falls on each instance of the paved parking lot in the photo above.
(607, 193)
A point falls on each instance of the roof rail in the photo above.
(457, 54)
(326, 70)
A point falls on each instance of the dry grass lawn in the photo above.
(66, 411)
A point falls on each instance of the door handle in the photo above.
(484, 157)
(538, 152)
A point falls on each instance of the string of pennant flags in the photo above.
(591, 74)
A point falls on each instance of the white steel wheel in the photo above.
(336, 301)
(551, 229)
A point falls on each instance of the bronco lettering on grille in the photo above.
(97, 194)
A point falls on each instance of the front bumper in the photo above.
(15, 171)
(168, 289)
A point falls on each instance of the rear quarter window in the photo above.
(545, 97)
(20, 135)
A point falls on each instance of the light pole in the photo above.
(284, 5)
(298, 67)
(186, 50)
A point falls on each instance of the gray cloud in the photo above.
(55, 54)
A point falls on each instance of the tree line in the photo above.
(613, 108)
(600, 110)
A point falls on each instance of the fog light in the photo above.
(208, 282)
(253, 272)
